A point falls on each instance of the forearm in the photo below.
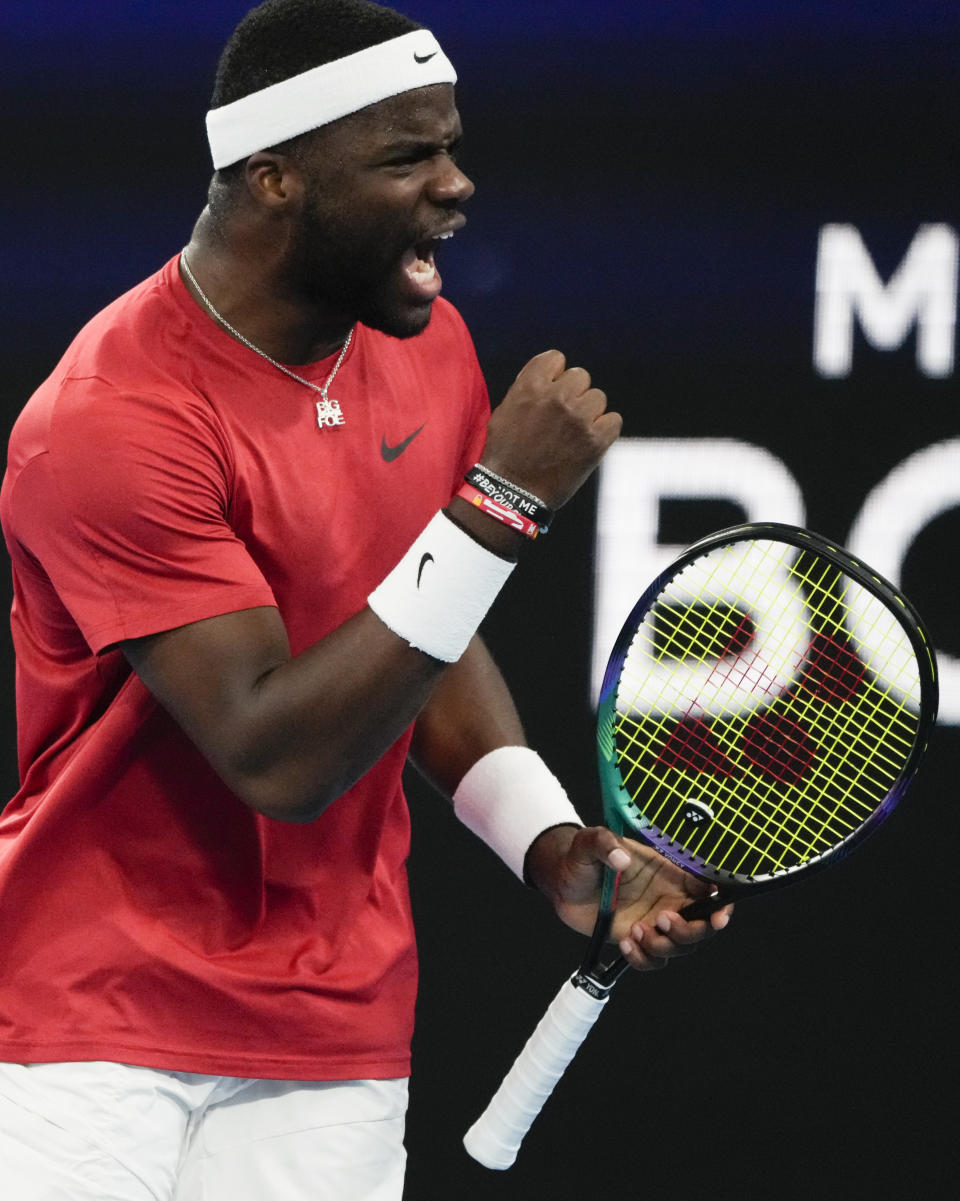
(469, 714)
(469, 742)
(287, 734)
(321, 720)
(313, 747)
(380, 681)
(290, 734)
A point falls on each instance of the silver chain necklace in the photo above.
(329, 412)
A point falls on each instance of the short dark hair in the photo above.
(282, 38)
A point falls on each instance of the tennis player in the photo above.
(256, 516)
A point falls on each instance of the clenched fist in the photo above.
(551, 430)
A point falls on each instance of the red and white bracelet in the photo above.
(500, 512)
(506, 502)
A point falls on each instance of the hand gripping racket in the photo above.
(764, 708)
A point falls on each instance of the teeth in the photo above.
(443, 237)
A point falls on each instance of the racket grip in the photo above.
(495, 1137)
(701, 909)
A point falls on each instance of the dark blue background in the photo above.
(651, 180)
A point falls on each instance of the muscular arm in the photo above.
(290, 734)
(469, 713)
(287, 734)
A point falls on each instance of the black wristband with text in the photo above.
(512, 495)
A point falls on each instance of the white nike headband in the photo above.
(324, 94)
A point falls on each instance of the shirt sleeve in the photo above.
(477, 409)
(127, 512)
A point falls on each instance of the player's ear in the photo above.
(274, 180)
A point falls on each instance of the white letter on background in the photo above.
(913, 494)
(636, 474)
(922, 291)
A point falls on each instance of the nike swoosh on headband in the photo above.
(389, 453)
(326, 93)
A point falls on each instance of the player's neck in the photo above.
(247, 288)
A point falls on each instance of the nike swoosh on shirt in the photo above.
(423, 58)
(389, 453)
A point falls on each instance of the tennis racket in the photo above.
(764, 708)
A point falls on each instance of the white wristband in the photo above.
(509, 797)
(441, 589)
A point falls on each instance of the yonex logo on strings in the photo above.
(640, 476)
(776, 746)
(918, 300)
(766, 701)
(741, 673)
(772, 744)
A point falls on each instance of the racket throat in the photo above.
(599, 937)
(595, 983)
(595, 976)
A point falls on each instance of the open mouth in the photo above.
(420, 268)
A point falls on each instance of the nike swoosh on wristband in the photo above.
(389, 453)
(425, 58)
(427, 558)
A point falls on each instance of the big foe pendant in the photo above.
(329, 412)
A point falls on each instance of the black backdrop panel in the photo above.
(742, 219)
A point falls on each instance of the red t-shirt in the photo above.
(165, 474)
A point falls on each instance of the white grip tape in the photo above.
(495, 1137)
(441, 589)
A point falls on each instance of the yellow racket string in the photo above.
(831, 826)
(893, 740)
(751, 692)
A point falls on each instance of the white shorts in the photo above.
(109, 1132)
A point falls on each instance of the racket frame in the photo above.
(617, 803)
(496, 1136)
(597, 974)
